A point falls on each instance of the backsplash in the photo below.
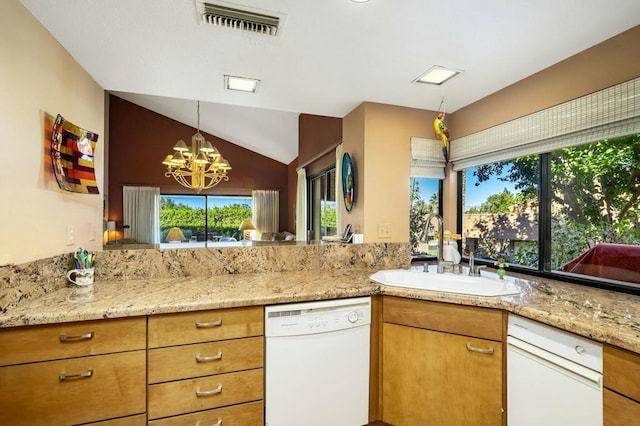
(34, 279)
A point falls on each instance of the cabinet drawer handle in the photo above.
(200, 358)
(209, 392)
(217, 323)
(218, 423)
(83, 375)
(481, 350)
(86, 336)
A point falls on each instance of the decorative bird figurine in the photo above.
(443, 133)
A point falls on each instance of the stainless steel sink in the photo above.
(447, 282)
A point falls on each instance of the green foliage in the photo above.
(595, 197)
(522, 172)
(223, 221)
(418, 214)
(497, 203)
(329, 219)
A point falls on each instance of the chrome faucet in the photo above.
(440, 262)
(474, 271)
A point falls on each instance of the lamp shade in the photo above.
(247, 225)
(175, 235)
(111, 225)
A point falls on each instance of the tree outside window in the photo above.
(594, 199)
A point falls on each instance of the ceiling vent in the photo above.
(245, 20)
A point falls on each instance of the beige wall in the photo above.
(377, 136)
(613, 61)
(39, 79)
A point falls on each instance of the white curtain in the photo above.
(338, 184)
(301, 206)
(266, 211)
(141, 205)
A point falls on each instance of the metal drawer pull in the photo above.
(482, 351)
(208, 324)
(200, 358)
(86, 336)
(209, 392)
(83, 375)
(218, 423)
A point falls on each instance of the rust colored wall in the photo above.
(292, 178)
(316, 135)
(139, 139)
(611, 62)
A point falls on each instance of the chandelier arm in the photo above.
(194, 174)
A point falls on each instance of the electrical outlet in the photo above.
(384, 230)
(70, 235)
(92, 232)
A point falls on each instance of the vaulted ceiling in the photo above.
(328, 56)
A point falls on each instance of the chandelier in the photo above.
(199, 166)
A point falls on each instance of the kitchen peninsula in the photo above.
(133, 285)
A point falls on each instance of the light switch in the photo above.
(384, 230)
(70, 235)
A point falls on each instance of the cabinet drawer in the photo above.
(457, 319)
(34, 394)
(205, 326)
(621, 370)
(205, 359)
(237, 415)
(56, 341)
(170, 399)
(618, 410)
(139, 420)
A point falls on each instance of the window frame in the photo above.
(310, 180)
(545, 238)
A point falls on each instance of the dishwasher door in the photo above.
(317, 363)
(546, 389)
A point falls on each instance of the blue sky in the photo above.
(197, 201)
(475, 195)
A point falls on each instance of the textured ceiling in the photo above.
(331, 55)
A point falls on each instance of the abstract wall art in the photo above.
(73, 157)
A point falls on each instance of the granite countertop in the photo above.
(601, 315)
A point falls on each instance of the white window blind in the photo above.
(606, 114)
(427, 159)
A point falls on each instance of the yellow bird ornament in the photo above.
(443, 133)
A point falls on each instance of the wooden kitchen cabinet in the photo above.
(206, 367)
(621, 372)
(73, 373)
(441, 364)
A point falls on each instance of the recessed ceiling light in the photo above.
(437, 75)
(359, 1)
(240, 83)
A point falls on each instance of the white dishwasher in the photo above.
(553, 377)
(317, 363)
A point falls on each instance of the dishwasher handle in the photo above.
(560, 364)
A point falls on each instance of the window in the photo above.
(573, 212)
(322, 204)
(588, 182)
(425, 198)
(595, 209)
(500, 211)
(199, 229)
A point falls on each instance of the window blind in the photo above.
(427, 159)
(606, 114)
